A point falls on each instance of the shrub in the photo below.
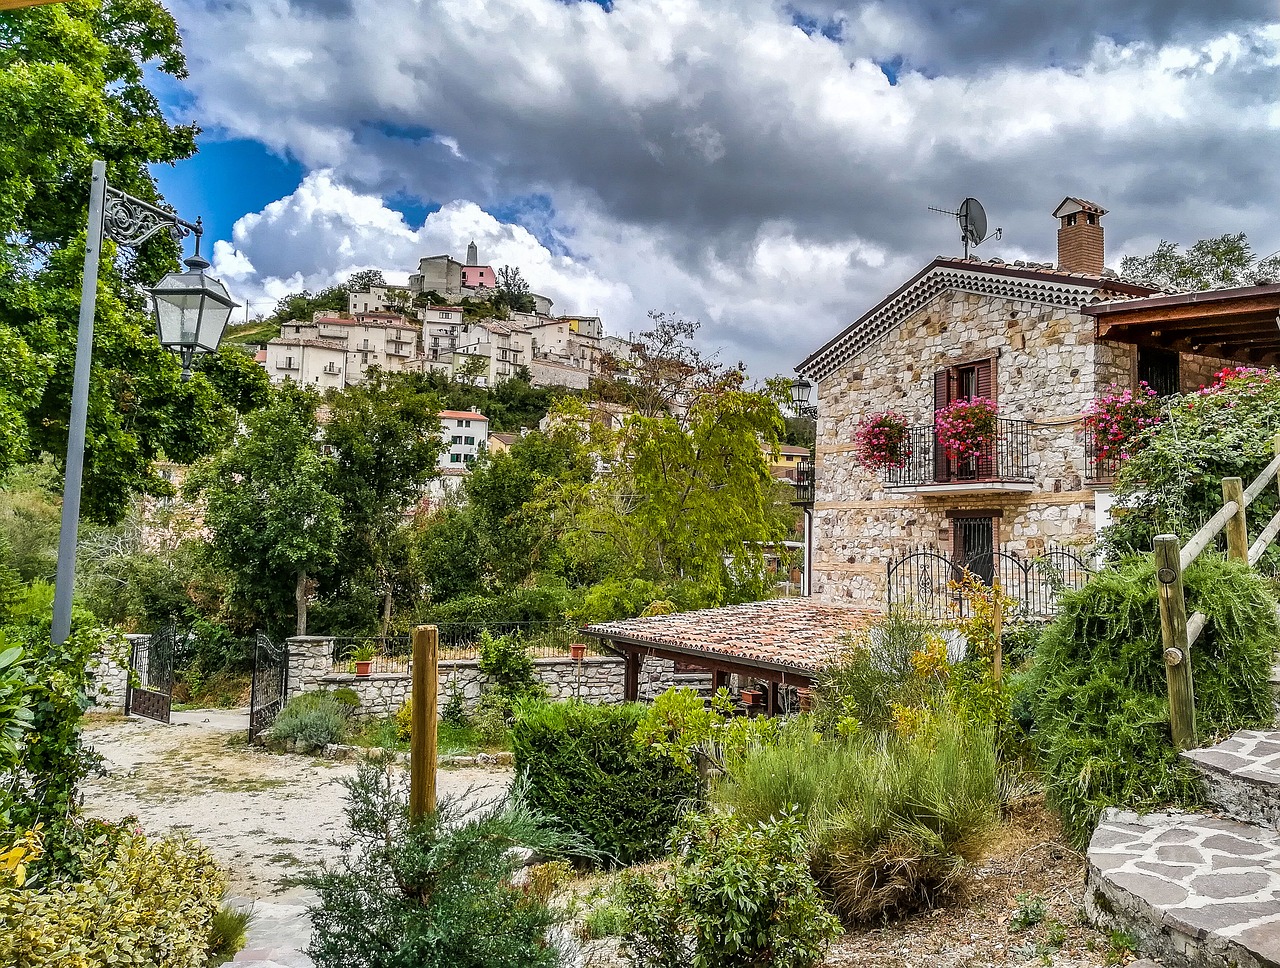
(893, 817)
(898, 662)
(508, 667)
(146, 904)
(678, 724)
(313, 720)
(227, 932)
(586, 770)
(740, 896)
(1102, 708)
(437, 891)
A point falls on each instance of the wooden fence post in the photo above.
(1237, 530)
(422, 705)
(997, 630)
(1173, 634)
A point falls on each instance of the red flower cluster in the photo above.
(1118, 418)
(881, 441)
(966, 428)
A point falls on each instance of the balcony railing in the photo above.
(804, 482)
(1100, 468)
(1006, 457)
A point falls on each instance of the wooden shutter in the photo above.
(988, 463)
(943, 381)
(987, 379)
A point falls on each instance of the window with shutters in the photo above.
(964, 381)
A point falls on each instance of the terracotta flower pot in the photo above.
(364, 667)
(578, 650)
(752, 697)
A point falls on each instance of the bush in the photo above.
(313, 720)
(1102, 708)
(508, 667)
(900, 661)
(227, 933)
(740, 896)
(434, 892)
(145, 904)
(585, 769)
(893, 817)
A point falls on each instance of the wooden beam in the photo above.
(1164, 316)
(422, 713)
(631, 675)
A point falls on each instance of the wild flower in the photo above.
(966, 428)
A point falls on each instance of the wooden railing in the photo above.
(1178, 632)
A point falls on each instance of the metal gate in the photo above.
(269, 684)
(151, 675)
(926, 580)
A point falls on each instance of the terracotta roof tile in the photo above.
(796, 633)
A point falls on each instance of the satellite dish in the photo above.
(973, 223)
(973, 220)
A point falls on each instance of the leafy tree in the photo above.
(385, 438)
(513, 290)
(364, 280)
(1220, 263)
(271, 511)
(73, 88)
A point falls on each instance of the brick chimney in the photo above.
(1080, 236)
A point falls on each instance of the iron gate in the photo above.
(151, 675)
(926, 580)
(269, 684)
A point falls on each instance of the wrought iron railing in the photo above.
(804, 482)
(1099, 467)
(927, 581)
(460, 641)
(1005, 457)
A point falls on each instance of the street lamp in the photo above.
(806, 476)
(191, 311)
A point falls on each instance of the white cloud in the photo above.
(712, 158)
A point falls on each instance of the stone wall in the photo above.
(596, 679)
(109, 670)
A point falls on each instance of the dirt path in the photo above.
(264, 816)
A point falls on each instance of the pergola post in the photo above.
(631, 675)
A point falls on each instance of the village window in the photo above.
(457, 440)
(963, 381)
(458, 422)
(470, 441)
(973, 542)
(455, 458)
(1159, 370)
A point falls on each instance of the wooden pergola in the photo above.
(1234, 324)
(783, 642)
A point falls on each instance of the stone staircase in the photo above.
(1199, 889)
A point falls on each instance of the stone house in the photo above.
(1016, 333)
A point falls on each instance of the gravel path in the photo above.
(264, 816)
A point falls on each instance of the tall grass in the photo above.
(892, 819)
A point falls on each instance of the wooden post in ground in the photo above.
(997, 630)
(422, 705)
(1237, 531)
(1173, 635)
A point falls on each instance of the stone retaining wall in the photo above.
(596, 679)
(109, 670)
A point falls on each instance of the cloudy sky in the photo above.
(763, 167)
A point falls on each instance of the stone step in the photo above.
(1195, 890)
(698, 681)
(1275, 690)
(1242, 775)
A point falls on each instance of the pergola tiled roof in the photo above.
(787, 638)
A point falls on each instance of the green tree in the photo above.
(385, 437)
(73, 88)
(271, 510)
(513, 291)
(1219, 263)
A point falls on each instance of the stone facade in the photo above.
(1046, 365)
(596, 679)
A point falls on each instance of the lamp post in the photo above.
(191, 311)
(806, 476)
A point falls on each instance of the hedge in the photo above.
(1101, 702)
(586, 770)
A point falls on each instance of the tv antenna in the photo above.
(973, 223)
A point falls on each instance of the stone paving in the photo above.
(1242, 775)
(1199, 890)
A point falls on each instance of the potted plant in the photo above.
(578, 650)
(752, 697)
(363, 655)
(882, 441)
(966, 428)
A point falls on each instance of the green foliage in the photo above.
(228, 929)
(15, 703)
(1101, 708)
(1174, 483)
(678, 724)
(585, 769)
(143, 904)
(1221, 263)
(1031, 910)
(898, 662)
(740, 896)
(515, 606)
(454, 712)
(510, 670)
(313, 720)
(892, 817)
(434, 892)
(271, 509)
